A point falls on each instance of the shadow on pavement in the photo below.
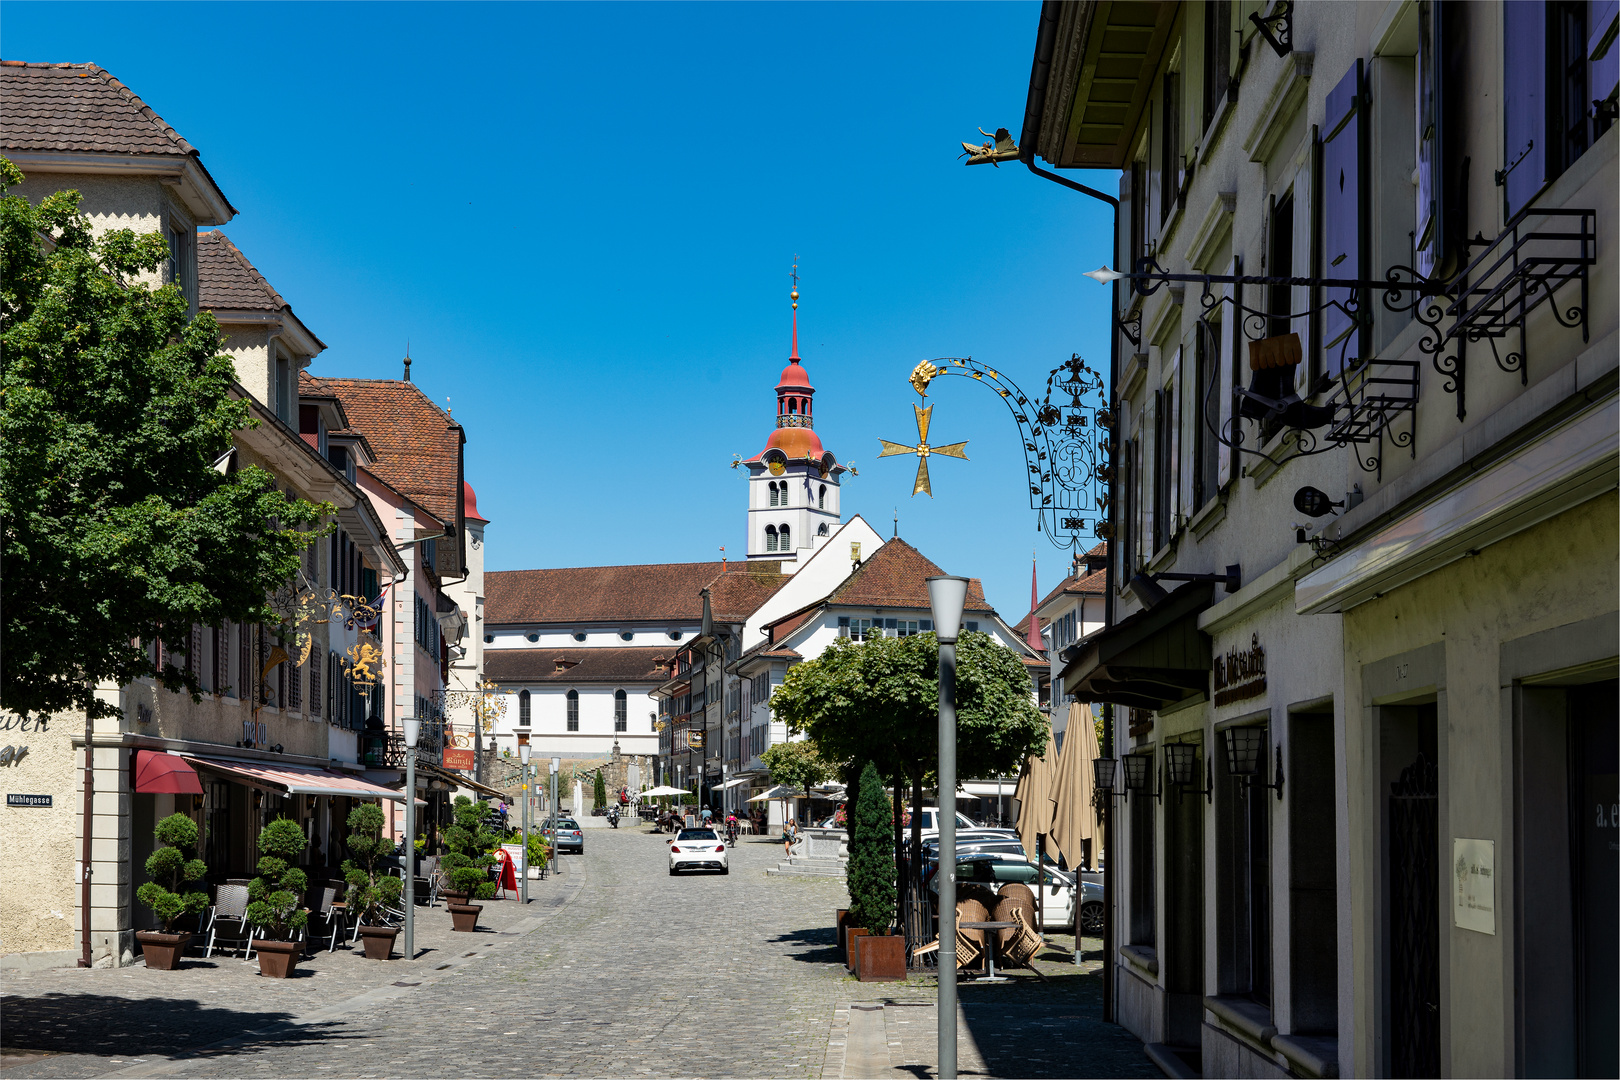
(104, 1025)
(820, 945)
(1050, 1029)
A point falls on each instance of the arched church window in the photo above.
(821, 498)
(523, 708)
(573, 710)
(621, 713)
(822, 530)
(770, 538)
(785, 541)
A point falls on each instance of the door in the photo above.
(1594, 735)
(1182, 959)
(1414, 920)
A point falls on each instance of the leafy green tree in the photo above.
(871, 856)
(171, 867)
(797, 764)
(472, 844)
(279, 889)
(114, 407)
(370, 888)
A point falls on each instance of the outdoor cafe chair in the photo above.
(227, 920)
(330, 915)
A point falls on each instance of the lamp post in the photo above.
(413, 731)
(556, 852)
(523, 756)
(946, 596)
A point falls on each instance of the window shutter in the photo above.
(1427, 239)
(1341, 200)
(1225, 379)
(1524, 102)
(1147, 473)
(244, 662)
(315, 666)
(1173, 463)
(194, 651)
(1301, 299)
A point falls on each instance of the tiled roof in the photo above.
(896, 577)
(1083, 584)
(577, 665)
(418, 446)
(616, 594)
(225, 278)
(79, 107)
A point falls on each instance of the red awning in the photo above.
(298, 780)
(158, 772)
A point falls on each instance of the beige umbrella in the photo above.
(1034, 795)
(1074, 820)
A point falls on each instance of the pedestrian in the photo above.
(707, 814)
(787, 837)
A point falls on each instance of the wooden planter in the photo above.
(277, 959)
(162, 951)
(379, 941)
(464, 917)
(852, 945)
(882, 959)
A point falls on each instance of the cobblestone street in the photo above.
(616, 969)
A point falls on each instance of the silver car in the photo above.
(569, 836)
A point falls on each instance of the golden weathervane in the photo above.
(922, 449)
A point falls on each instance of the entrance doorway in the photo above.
(1183, 953)
(1412, 883)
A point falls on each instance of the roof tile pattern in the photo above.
(1082, 584)
(227, 281)
(79, 107)
(615, 594)
(418, 446)
(577, 665)
(896, 577)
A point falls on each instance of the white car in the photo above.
(698, 849)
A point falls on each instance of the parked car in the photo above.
(1057, 888)
(569, 836)
(698, 849)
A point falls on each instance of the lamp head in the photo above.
(1103, 774)
(1314, 502)
(556, 763)
(413, 731)
(1182, 762)
(1243, 749)
(1103, 275)
(946, 597)
(1149, 593)
(1137, 767)
(524, 751)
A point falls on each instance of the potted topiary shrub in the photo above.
(539, 852)
(370, 889)
(171, 867)
(471, 843)
(275, 894)
(878, 956)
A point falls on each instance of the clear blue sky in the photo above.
(582, 218)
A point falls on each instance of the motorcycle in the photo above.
(731, 834)
(613, 817)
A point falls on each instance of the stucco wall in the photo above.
(1562, 571)
(38, 883)
(137, 203)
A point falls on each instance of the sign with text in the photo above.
(28, 800)
(464, 760)
(1240, 674)
(1473, 898)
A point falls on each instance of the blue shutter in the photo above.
(1524, 102)
(1341, 202)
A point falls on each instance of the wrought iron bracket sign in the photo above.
(1066, 438)
(1278, 27)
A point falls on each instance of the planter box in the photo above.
(464, 917)
(277, 959)
(852, 945)
(162, 951)
(379, 941)
(839, 914)
(882, 959)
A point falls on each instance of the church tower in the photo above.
(793, 484)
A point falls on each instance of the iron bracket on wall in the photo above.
(1278, 27)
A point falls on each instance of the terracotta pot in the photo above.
(379, 941)
(277, 959)
(852, 945)
(882, 959)
(162, 951)
(454, 897)
(464, 917)
(838, 922)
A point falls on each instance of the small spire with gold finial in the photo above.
(794, 296)
(407, 361)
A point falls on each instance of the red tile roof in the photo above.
(616, 594)
(1083, 584)
(577, 665)
(418, 446)
(896, 577)
(225, 278)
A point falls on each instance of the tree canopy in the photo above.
(879, 701)
(114, 406)
(797, 764)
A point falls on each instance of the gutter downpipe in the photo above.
(1034, 105)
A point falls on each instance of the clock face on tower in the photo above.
(775, 460)
(777, 468)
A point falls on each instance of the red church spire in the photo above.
(1032, 636)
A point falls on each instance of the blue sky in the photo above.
(582, 217)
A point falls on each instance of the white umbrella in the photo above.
(780, 791)
(660, 792)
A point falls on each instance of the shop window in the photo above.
(1217, 55)
(1243, 860)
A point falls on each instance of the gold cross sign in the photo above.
(922, 450)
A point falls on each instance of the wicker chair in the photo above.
(227, 921)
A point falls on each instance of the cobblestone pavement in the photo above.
(615, 970)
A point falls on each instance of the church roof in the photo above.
(896, 577)
(645, 665)
(659, 592)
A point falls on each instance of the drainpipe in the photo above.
(1034, 105)
(89, 819)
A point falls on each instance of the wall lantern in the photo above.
(1243, 756)
(1104, 772)
(1138, 776)
(1182, 760)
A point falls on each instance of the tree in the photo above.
(371, 889)
(871, 856)
(172, 867)
(114, 407)
(279, 889)
(599, 791)
(797, 764)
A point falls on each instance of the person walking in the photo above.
(787, 837)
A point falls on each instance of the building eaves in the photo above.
(564, 666)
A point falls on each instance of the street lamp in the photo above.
(524, 750)
(413, 731)
(946, 597)
(556, 852)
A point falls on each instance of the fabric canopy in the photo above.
(158, 772)
(1034, 795)
(660, 792)
(780, 791)
(295, 780)
(734, 782)
(1074, 820)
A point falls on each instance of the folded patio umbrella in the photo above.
(1074, 821)
(1034, 795)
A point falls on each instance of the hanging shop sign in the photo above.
(28, 800)
(465, 760)
(694, 739)
(1240, 674)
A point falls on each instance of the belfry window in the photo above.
(770, 536)
(775, 494)
(821, 498)
(785, 543)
